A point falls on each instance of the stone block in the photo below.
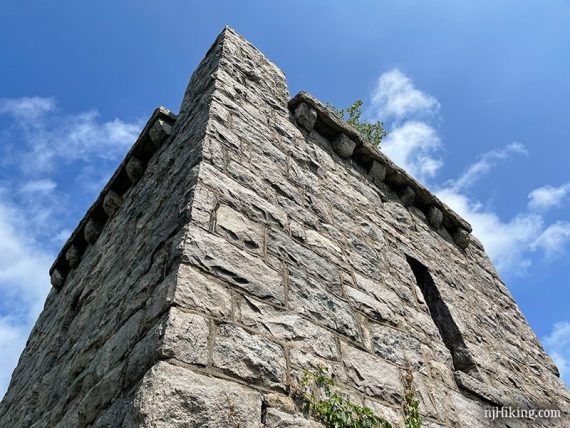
(435, 216)
(112, 202)
(237, 228)
(159, 131)
(57, 278)
(134, 169)
(462, 238)
(186, 337)
(306, 116)
(407, 196)
(371, 375)
(73, 256)
(92, 231)
(250, 357)
(377, 172)
(172, 396)
(233, 265)
(343, 146)
(313, 299)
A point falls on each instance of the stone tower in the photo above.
(254, 236)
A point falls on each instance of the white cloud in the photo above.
(485, 163)
(33, 205)
(39, 186)
(506, 242)
(395, 96)
(553, 239)
(414, 147)
(49, 137)
(548, 196)
(26, 108)
(557, 344)
(24, 284)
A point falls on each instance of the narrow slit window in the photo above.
(452, 338)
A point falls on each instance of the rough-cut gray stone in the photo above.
(462, 238)
(159, 132)
(407, 196)
(134, 169)
(92, 231)
(73, 255)
(435, 216)
(377, 172)
(112, 202)
(249, 252)
(237, 228)
(57, 278)
(343, 146)
(250, 357)
(172, 396)
(306, 116)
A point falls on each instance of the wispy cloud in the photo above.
(34, 201)
(414, 146)
(49, 137)
(557, 344)
(485, 163)
(395, 97)
(413, 142)
(26, 107)
(546, 197)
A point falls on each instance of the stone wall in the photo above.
(264, 238)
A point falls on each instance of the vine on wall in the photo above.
(334, 410)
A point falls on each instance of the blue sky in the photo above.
(475, 96)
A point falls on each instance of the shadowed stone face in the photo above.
(253, 237)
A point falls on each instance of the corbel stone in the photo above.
(435, 216)
(407, 196)
(462, 238)
(377, 172)
(57, 279)
(343, 146)
(112, 202)
(134, 169)
(73, 256)
(92, 231)
(306, 116)
(159, 131)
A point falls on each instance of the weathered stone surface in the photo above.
(312, 299)
(290, 328)
(186, 337)
(435, 216)
(234, 265)
(112, 202)
(377, 172)
(92, 231)
(407, 196)
(134, 169)
(462, 238)
(343, 146)
(306, 116)
(172, 396)
(159, 132)
(73, 256)
(238, 229)
(57, 278)
(195, 290)
(371, 375)
(249, 357)
(249, 252)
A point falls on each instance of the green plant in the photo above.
(326, 405)
(411, 403)
(373, 132)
